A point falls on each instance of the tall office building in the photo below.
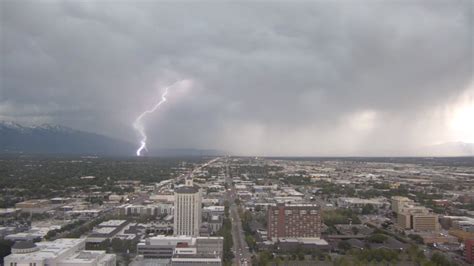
(187, 209)
(294, 221)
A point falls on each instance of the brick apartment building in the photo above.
(469, 250)
(293, 221)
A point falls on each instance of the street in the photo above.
(198, 168)
(241, 251)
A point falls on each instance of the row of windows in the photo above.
(301, 212)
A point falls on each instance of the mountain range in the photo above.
(56, 139)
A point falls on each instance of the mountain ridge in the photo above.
(51, 138)
(58, 139)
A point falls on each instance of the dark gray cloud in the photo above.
(301, 78)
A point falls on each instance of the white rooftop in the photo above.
(49, 249)
(104, 230)
(112, 223)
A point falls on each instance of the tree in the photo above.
(117, 245)
(300, 255)
(344, 245)
(299, 252)
(378, 255)
(278, 260)
(226, 232)
(50, 234)
(264, 258)
(251, 242)
(355, 230)
(440, 260)
(340, 216)
(417, 238)
(5, 248)
(368, 209)
(377, 238)
(415, 254)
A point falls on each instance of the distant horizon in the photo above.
(153, 150)
(224, 153)
(94, 156)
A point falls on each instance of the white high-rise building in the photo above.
(187, 209)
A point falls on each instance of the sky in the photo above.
(267, 77)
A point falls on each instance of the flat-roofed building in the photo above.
(425, 222)
(149, 210)
(411, 208)
(195, 260)
(61, 252)
(417, 218)
(35, 206)
(161, 247)
(437, 238)
(351, 202)
(8, 214)
(461, 222)
(60, 200)
(106, 230)
(210, 245)
(294, 244)
(398, 202)
(461, 235)
(167, 198)
(404, 220)
(215, 223)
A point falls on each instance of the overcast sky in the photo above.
(268, 78)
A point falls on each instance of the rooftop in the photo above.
(187, 189)
(50, 249)
(112, 223)
(24, 245)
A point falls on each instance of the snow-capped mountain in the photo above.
(49, 138)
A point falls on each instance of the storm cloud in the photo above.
(270, 78)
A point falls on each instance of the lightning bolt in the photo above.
(138, 123)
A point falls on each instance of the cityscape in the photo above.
(236, 133)
(239, 211)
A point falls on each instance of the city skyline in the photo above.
(236, 211)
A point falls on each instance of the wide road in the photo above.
(241, 252)
(198, 168)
